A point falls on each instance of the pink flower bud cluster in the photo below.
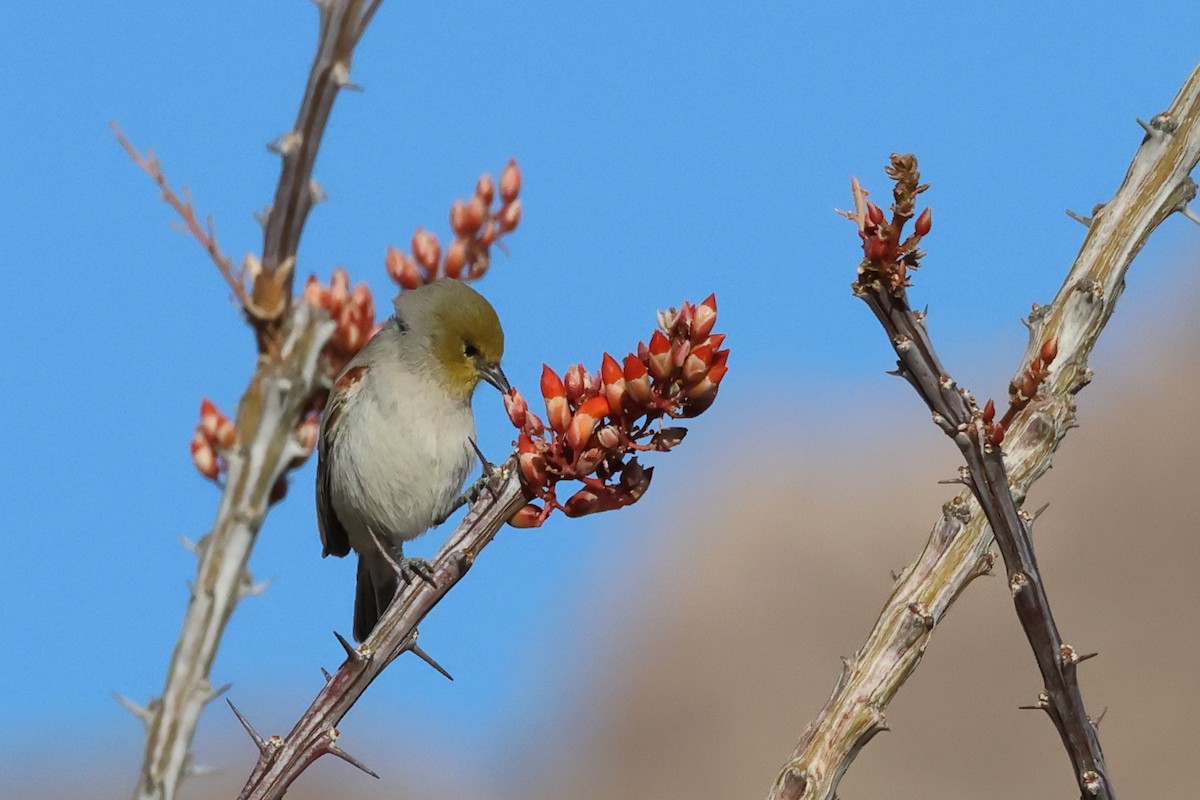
(596, 423)
(214, 435)
(885, 255)
(1020, 392)
(352, 309)
(476, 228)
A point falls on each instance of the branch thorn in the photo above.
(1085, 221)
(333, 749)
(141, 712)
(259, 742)
(421, 654)
(352, 652)
(213, 694)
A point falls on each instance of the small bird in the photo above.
(396, 439)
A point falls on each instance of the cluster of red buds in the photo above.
(1020, 392)
(887, 258)
(352, 309)
(476, 228)
(214, 434)
(597, 422)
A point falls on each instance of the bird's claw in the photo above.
(412, 568)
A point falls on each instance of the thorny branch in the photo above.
(1156, 185)
(882, 286)
(282, 760)
(272, 436)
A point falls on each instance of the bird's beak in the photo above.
(495, 376)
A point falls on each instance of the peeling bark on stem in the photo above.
(276, 399)
(957, 551)
(290, 337)
(282, 760)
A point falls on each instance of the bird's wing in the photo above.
(334, 538)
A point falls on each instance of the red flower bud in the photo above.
(558, 413)
(517, 408)
(924, 222)
(210, 418)
(314, 293)
(659, 360)
(875, 213)
(362, 300)
(474, 215)
(458, 218)
(874, 248)
(704, 317)
(527, 516)
(531, 462)
(574, 382)
(510, 216)
(637, 381)
(456, 257)
(584, 422)
(401, 269)
(510, 181)
(1049, 349)
(679, 353)
(426, 250)
(589, 459)
(989, 411)
(485, 189)
(585, 501)
(533, 424)
(339, 289)
(203, 456)
(695, 366)
(608, 437)
(613, 378)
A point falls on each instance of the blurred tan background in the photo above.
(698, 682)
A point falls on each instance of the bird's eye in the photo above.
(470, 350)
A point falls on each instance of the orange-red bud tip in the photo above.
(1049, 349)
(527, 516)
(510, 181)
(924, 222)
(485, 189)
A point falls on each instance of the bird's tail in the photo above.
(371, 597)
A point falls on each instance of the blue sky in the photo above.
(668, 151)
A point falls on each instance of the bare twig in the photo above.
(1156, 185)
(281, 760)
(205, 235)
(289, 375)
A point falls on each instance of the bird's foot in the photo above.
(410, 569)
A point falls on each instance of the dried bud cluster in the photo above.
(476, 228)
(1020, 392)
(352, 309)
(886, 258)
(214, 434)
(596, 421)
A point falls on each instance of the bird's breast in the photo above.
(403, 453)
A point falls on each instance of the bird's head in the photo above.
(465, 337)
